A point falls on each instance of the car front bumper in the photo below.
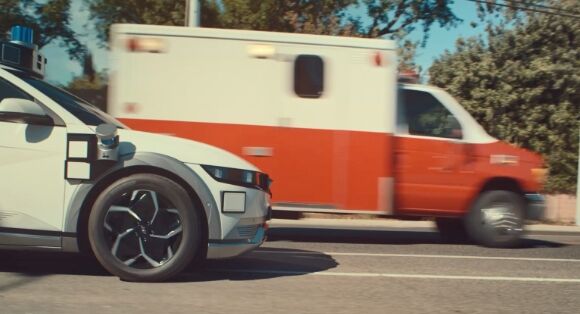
(230, 248)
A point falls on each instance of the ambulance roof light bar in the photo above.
(408, 76)
(21, 52)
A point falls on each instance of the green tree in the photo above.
(156, 12)
(332, 17)
(522, 84)
(297, 16)
(400, 17)
(359, 18)
(49, 19)
(91, 85)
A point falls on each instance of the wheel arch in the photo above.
(80, 208)
(498, 183)
(501, 183)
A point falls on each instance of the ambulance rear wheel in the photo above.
(496, 219)
(144, 227)
(452, 229)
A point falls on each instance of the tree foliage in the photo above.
(49, 19)
(91, 85)
(297, 16)
(331, 17)
(158, 12)
(400, 17)
(522, 84)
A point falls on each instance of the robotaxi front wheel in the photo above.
(144, 227)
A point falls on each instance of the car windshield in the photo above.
(81, 109)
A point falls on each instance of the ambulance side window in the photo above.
(426, 116)
(308, 76)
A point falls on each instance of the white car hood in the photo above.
(186, 151)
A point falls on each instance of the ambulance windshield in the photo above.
(81, 109)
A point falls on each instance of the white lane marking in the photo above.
(534, 259)
(409, 276)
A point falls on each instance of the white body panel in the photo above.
(40, 208)
(32, 170)
(208, 75)
(183, 150)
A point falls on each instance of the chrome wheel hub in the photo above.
(501, 219)
(143, 229)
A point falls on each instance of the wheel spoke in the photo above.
(173, 211)
(123, 209)
(149, 260)
(130, 261)
(156, 205)
(115, 247)
(146, 204)
(108, 227)
(170, 234)
(143, 229)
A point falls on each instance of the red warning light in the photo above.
(378, 59)
(132, 44)
(131, 107)
(408, 76)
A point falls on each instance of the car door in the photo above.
(32, 157)
(430, 169)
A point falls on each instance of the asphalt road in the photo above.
(308, 269)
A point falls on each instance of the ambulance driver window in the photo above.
(426, 116)
(308, 76)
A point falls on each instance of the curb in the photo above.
(398, 224)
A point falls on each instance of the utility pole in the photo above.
(193, 13)
(578, 188)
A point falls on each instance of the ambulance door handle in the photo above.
(258, 151)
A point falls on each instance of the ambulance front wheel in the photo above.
(496, 219)
(144, 227)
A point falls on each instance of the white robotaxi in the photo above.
(74, 179)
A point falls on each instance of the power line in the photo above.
(552, 8)
(526, 8)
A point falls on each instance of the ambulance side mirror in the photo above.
(23, 111)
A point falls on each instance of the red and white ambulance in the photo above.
(327, 118)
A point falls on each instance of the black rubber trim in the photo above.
(38, 232)
(236, 241)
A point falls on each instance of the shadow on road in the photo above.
(392, 237)
(262, 265)
(36, 264)
(31, 266)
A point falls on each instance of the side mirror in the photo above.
(23, 111)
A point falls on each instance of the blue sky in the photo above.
(61, 70)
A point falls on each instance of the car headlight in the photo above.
(247, 178)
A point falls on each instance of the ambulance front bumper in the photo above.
(536, 206)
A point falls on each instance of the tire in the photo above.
(452, 229)
(144, 227)
(496, 219)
